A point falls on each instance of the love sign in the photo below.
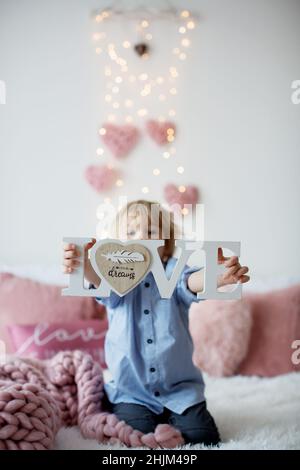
(122, 265)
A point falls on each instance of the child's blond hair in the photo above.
(145, 210)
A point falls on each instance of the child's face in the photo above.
(138, 228)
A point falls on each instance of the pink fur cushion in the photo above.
(252, 336)
(221, 332)
(276, 325)
(44, 340)
(23, 301)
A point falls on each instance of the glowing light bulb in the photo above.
(180, 170)
(166, 155)
(185, 42)
(128, 118)
(142, 112)
(190, 25)
(170, 131)
(102, 131)
(118, 79)
(173, 91)
(144, 24)
(145, 190)
(181, 189)
(156, 171)
(185, 14)
(115, 89)
(112, 55)
(170, 138)
(182, 30)
(107, 98)
(105, 14)
(173, 72)
(99, 18)
(160, 80)
(119, 183)
(148, 36)
(143, 76)
(185, 211)
(182, 56)
(115, 105)
(172, 112)
(126, 44)
(100, 151)
(146, 90)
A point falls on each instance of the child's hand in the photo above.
(71, 255)
(235, 272)
(71, 262)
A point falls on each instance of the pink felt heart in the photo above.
(174, 196)
(120, 139)
(101, 178)
(161, 132)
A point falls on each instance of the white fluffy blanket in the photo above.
(251, 413)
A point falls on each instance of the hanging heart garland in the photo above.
(119, 139)
(161, 132)
(101, 178)
(181, 195)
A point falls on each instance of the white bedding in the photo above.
(251, 413)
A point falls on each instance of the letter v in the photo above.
(166, 286)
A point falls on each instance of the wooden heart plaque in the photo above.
(123, 266)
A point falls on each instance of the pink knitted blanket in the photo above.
(38, 397)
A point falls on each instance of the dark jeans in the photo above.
(195, 423)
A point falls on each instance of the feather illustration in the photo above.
(124, 256)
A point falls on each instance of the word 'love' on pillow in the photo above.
(44, 340)
(23, 301)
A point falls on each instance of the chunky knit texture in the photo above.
(38, 397)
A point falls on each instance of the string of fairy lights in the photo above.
(130, 90)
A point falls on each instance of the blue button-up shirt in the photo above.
(148, 347)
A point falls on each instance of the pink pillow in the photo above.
(23, 301)
(221, 332)
(44, 340)
(276, 325)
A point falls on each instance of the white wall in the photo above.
(239, 136)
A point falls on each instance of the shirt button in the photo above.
(152, 369)
(149, 341)
(147, 284)
(146, 311)
(156, 394)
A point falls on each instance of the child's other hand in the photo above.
(71, 255)
(234, 273)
